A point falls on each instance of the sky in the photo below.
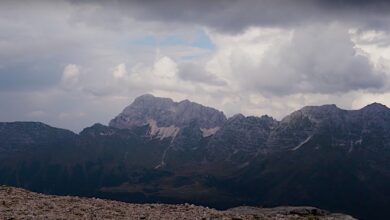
(71, 63)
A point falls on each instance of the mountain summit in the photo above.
(166, 117)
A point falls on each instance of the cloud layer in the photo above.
(235, 16)
(73, 63)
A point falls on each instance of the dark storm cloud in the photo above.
(373, 5)
(234, 16)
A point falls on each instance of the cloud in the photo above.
(196, 73)
(162, 74)
(319, 59)
(235, 16)
(164, 68)
(70, 76)
(254, 57)
(120, 71)
(312, 59)
(71, 115)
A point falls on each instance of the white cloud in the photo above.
(70, 76)
(120, 71)
(164, 68)
(312, 59)
(159, 75)
(376, 45)
(238, 57)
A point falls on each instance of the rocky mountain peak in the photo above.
(241, 120)
(149, 100)
(166, 117)
(315, 113)
(321, 110)
(268, 119)
(375, 107)
(236, 117)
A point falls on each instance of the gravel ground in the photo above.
(16, 203)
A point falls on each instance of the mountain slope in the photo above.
(161, 150)
(15, 136)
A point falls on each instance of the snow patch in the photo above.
(359, 141)
(302, 143)
(350, 148)
(206, 132)
(107, 133)
(162, 132)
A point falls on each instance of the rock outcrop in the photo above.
(17, 203)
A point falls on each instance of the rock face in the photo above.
(341, 128)
(166, 117)
(17, 203)
(299, 127)
(241, 138)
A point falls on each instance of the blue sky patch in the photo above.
(200, 40)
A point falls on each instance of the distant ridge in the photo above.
(176, 152)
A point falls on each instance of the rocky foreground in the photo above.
(18, 203)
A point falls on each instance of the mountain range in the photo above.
(158, 150)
